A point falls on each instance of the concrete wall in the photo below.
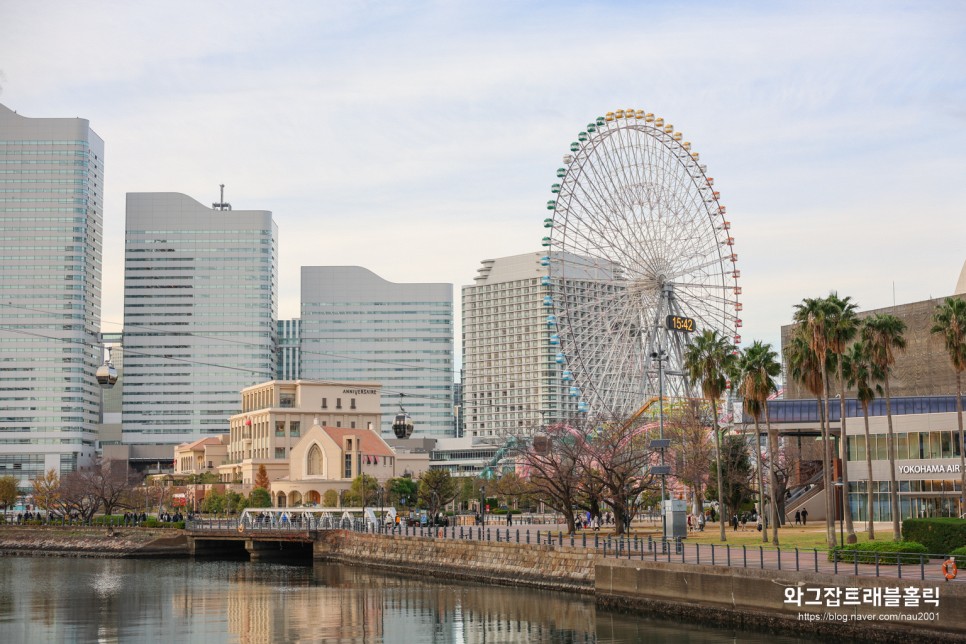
(756, 598)
(558, 567)
(745, 598)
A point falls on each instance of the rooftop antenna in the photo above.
(221, 205)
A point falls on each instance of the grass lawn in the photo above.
(807, 537)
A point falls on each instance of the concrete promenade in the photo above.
(637, 546)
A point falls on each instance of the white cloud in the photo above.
(834, 131)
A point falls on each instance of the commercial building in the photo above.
(289, 349)
(923, 387)
(511, 382)
(51, 213)
(200, 312)
(275, 415)
(357, 326)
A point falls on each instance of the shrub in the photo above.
(939, 535)
(889, 552)
(958, 552)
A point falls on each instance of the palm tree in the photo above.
(949, 321)
(813, 317)
(757, 369)
(864, 377)
(843, 326)
(882, 334)
(707, 360)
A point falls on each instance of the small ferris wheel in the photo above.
(639, 241)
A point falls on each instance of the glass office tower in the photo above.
(200, 312)
(51, 213)
(358, 326)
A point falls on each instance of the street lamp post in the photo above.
(483, 505)
(659, 355)
(841, 510)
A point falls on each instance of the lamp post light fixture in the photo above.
(483, 505)
(840, 510)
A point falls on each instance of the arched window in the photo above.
(315, 465)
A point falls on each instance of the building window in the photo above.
(294, 428)
(338, 403)
(338, 423)
(280, 428)
(325, 403)
(352, 424)
(287, 400)
(279, 452)
(348, 467)
(315, 463)
(352, 403)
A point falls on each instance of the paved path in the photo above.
(735, 556)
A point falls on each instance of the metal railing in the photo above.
(923, 566)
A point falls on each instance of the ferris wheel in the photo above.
(638, 242)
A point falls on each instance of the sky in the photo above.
(418, 138)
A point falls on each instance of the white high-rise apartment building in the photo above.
(511, 380)
(51, 212)
(200, 312)
(357, 326)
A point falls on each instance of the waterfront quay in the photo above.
(635, 574)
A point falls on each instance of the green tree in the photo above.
(330, 499)
(864, 377)
(235, 502)
(883, 335)
(757, 369)
(364, 490)
(736, 474)
(214, 503)
(949, 322)
(813, 317)
(843, 326)
(259, 498)
(402, 491)
(437, 488)
(708, 360)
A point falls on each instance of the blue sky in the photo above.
(418, 138)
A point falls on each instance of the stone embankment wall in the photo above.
(556, 567)
(754, 598)
(93, 542)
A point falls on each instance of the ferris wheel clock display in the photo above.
(639, 255)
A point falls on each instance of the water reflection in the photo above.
(53, 599)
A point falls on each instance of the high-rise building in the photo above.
(289, 348)
(51, 209)
(358, 326)
(511, 381)
(200, 314)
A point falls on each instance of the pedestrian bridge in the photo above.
(277, 532)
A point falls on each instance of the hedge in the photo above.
(958, 552)
(939, 535)
(889, 552)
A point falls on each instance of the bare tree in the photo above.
(553, 460)
(111, 483)
(692, 448)
(77, 495)
(617, 455)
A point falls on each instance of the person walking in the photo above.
(798, 518)
(804, 517)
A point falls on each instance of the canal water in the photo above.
(53, 599)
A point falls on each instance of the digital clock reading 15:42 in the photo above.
(678, 323)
